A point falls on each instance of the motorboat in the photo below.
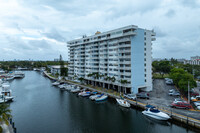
(8, 98)
(155, 113)
(62, 86)
(94, 97)
(9, 78)
(19, 74)
(77, 89)
(101, 98)
(3, 101)
(6, 93)
(56, 83)
(84, 93)
(123, 103)
(70, 87)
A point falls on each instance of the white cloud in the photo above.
(28, 26)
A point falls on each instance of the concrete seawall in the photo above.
(188, 120)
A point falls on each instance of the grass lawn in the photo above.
(159, 76)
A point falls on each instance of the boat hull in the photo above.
(123, 103)
(102, 98)
(160, 116)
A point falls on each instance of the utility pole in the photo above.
(188, 92)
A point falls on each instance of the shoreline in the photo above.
(187, 120)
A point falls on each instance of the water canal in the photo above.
(40, 107)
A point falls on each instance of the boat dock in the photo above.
(187, 120)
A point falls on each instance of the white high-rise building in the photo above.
(117, 59)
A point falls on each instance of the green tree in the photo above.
(181, 78)
(5, 114)
(81, 79)
(161, 67)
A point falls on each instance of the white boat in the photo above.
(70, 87)
(76, 89)
(101, 98)
(19, 74)
(10, 78)
(6, 93)
(84, 93)
(93, 97)
(8, 98)
(56, 83)
(61, 86)
(123, 103)
(155, 113)
(3, 101)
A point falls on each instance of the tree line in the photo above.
(182, 74)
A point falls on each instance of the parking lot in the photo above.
(160, 97)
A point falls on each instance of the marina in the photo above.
(41, 107)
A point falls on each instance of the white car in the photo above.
(198, 107)
(172, 90)
(130, 96)
(197, 103)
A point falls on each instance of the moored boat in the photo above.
(123, 103)
(93, 97)
(56, 83)
(84, 93)
(77, 89)
(18, 74)
(155, 113)
(101, 98)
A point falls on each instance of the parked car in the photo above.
(176, 100)
(194, 93)
(169, 81)
(174, 93)
(198, 107)
(184, 105)
(130, 96)
(171, 90)
(197, 98)
(143, 95)
(197, 103)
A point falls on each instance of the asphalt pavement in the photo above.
(160, 97)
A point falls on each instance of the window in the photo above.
(145, 38)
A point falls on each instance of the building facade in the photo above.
(56, 69)
(194, 60)
(119, 58)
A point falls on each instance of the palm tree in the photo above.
(4, 114)
(124, 82)
(90, 75)
(81, 79)
(113, 79)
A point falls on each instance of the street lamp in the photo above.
(188, 92)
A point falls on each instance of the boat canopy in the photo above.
(150, 106)
(154, 110)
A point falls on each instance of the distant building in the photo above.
(194, 60)
(56, 59)
(56, 69)
(181, 60)
(124, 54)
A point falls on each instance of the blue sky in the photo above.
(39, 29)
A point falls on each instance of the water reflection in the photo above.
(42, 108)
